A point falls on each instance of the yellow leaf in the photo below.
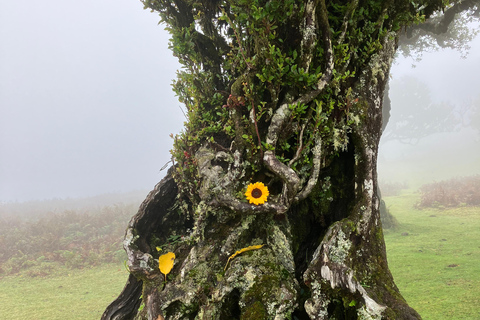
(165, 263)
(242, 251)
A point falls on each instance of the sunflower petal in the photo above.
(242, 251)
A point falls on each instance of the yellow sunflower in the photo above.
(257, 193)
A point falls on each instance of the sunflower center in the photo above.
(256, 193)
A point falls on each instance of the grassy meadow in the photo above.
(75, 294)
(434, 256)
(63, 259)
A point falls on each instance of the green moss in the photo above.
(350, 226)
(237, 86)
(262, 288)
(255, 311)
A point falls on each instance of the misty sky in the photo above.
(86, 105)
(453, 80)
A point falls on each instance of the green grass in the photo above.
(437, 265)
(68, 294)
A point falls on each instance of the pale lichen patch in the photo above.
(338, 250)
(368, 185)
(279, 242)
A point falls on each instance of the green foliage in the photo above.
(243, 59)
(171, 241)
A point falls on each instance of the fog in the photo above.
(86, 105)
(85, 98)
(440, 94)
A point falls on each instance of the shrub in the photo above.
(455, 192)
(72, 239)
(388, 220)
(389, 189)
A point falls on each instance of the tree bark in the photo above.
(323, 258)
(289, 94)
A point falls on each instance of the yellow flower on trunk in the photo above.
(257, 193)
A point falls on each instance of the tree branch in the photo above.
(448, 17)
(312, 181)
(309, 37)
(300, 147)
(288, 175)
(243, 207)
(351, 9)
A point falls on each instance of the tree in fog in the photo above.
(470, 114)
(287, 94)
(451, 28)
(417, 116)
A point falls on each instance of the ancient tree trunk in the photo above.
(324, 258)
(289, 95)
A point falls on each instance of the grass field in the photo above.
(72, 294)
(434, 257)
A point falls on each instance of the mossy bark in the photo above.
(324, 258)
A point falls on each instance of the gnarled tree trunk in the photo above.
(323, 259)
(306, 80)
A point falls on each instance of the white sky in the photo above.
(450, 77)
(86, 105)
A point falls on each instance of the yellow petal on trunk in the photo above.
(242, 251)
(165, 262)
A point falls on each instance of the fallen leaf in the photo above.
(165, 263)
